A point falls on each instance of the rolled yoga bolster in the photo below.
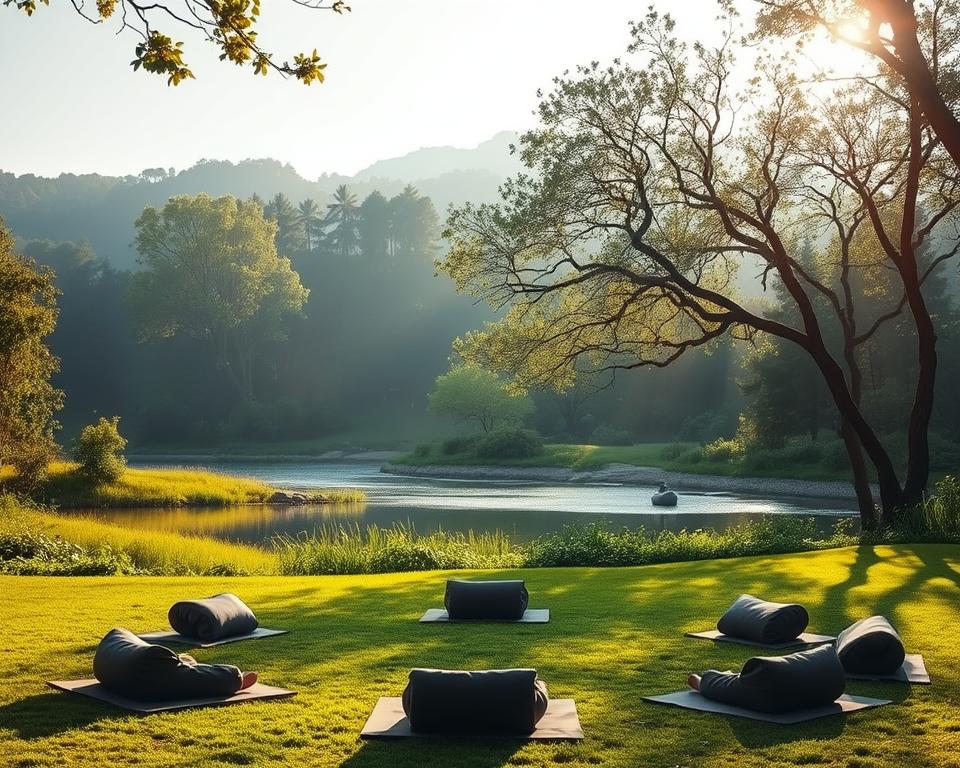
(491, 701)
(134, 668)
(212, 618)
(497, 600)
(780, 684)
(750, 618)
(870, 647)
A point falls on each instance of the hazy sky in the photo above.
(402, 74)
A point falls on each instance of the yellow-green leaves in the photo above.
(228, 24)
(160, 55)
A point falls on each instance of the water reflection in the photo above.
(524, 510)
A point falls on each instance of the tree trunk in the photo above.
(891, 494)
(916, 73)
(861, 478)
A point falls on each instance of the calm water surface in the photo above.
(522, 509)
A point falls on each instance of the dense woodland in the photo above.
(355, 363)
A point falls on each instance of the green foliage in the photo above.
(28, 399)
(597, 545)
(672, 451)
(230, 25)
(422, 450)
(246, 289)
(346, 550)
(455, 445)
(99, 451)
(470, 393)
(607, 435)
(509, 444)
(722, 450)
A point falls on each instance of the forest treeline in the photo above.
(355, 359)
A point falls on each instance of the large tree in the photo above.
(906, 37)
(473, 394)
(653, 183)
(28, 400)
(211, 270)
(230, 25)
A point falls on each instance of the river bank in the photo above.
(628, 474)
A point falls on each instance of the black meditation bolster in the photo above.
(212, 618)
(802, 680)
(870, 646)
(750, 618)
(125, 664)
(491, 701)
(485, 599)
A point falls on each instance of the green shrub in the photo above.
(597, 545)
(455, 445)
(767, 459)
(692, 456)
(607, 435)
(422, 450)
(722, 450)
(32, 553)
(834, 454)
(99, 451)
(509, 444)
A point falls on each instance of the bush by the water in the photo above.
(597, 545)
(26, 552)
(455, 445)
(509, 444)
(344, 550)
(99, 451)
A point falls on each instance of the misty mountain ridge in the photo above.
(101, 209)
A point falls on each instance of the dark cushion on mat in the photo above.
(212, 618)
(502, 600)
(491, 701)
(870, 647)
(134, 668)
(801, 680)
(750, 618)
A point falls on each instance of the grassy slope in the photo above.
(149, 487)
(590, 457)
(615, 636)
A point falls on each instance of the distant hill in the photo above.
(101, 210)
(492, 155)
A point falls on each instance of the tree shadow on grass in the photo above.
(48, 714)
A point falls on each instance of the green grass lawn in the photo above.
(615, 635)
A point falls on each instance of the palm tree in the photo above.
(281, 210)
(343, 213)
(308, 216)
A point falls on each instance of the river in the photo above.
(522, 509)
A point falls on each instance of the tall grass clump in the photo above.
(597, 545)
(372, 549)
(937, 518)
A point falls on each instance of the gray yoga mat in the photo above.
(388, 721)
(176, 637)
(92, 689)
(530, 616)
(805, 638)
(913, 670)
(693, 700)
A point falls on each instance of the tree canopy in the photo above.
(473, 394)
(653, 183)
(28, 400)
(211, 271)
(230, 25)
